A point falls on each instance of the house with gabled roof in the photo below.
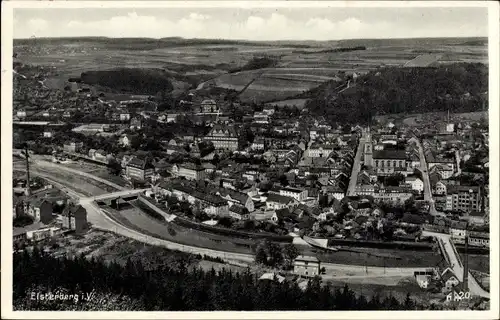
(449, 278)
(276, 201)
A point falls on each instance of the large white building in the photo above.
(308, 266)
(416, 183)
(223, 137)
(297, 194)
(189, 171)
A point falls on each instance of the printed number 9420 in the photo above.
(458, 296)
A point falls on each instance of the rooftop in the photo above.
(273, 197)
(307, 258)
(390, 154)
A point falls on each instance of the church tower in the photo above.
(368, 152)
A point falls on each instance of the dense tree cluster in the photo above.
(457, 88)
(22, 220)
(145, 81)
(257, 63)
(334, 50)
(132, 287)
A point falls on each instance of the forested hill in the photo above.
(132, 287)
(458, 88)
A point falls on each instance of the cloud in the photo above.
(197, 16)
(37, 27)
(130, 25)
(274, 26)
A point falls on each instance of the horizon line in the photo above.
(248, 40)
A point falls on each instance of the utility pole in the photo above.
(26, 153)
(465, 283)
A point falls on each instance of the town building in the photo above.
(40, 210)
(463, 198)
(33, 233)
(75, 218)
(320, 150)
(238, 212)
(93, 128)
(445, 171)
(125, 140)
(209, 106)
(393, 195)
(21, 113)
(233, 197)
(275, 201)
(73, 147)
(458, 231)
(189, 171)
(387, 162)
(258, 144)
(449, 278)
(307, 266)
(440, 188)
(139, 169)
(124, 116)
(479, 239)
(295, 193)
(261, 117)
(435, 161)
(223, 137)
(416, 183)
(212, 204)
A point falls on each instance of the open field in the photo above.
(256, 95)
(301, 66)
(424, 60)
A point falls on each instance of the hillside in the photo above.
(457, 88)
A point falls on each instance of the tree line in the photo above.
(132, 287)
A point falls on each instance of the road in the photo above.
(356, 166)
(456, 264)
(427, 182)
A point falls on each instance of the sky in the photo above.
(327, 23)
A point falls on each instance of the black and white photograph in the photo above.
(250, 156)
